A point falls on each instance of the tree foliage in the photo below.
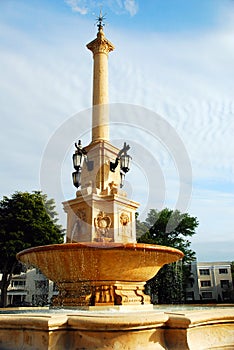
(170, 228)
(26, 220)
(141, 227)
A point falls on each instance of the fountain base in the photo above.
(103, 293)
(139, 328)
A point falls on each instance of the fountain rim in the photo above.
(102, 246)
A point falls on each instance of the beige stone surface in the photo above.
(100, 192)
(84, 214)
(203, 330)
(82, 331)
(118, 329)
(101, 153)
(30, 331)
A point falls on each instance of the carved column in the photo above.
(100, 123)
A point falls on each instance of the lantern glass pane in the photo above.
(76, 175)
(125, 162)
(78, 160)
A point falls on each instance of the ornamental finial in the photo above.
(100, 20)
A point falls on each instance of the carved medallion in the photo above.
(124, 219)
(102, 225)
(125, 228)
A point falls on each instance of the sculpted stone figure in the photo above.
(102, 225)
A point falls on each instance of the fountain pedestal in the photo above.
(100, 218)
(100, 294)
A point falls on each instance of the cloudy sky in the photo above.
(173, 59)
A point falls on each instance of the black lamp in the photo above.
(78, 158)
(124, 160)
(76, 176)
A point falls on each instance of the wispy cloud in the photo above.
(117, 6)
(131, 7)
(80, 6)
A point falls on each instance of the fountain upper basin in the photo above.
(99, 261)
(95, 274)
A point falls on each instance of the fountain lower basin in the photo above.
(91, 273)
(130, 330)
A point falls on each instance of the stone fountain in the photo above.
(101, 271)
(101, 263)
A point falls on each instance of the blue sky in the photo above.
(150, 15)
(173, 57)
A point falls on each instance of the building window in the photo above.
(222, 271)
(204, 272)
(205, 283)
(207, 295)
(18, 284)
(224, 283)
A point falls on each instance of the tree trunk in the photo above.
(4, 286)
(6, 280)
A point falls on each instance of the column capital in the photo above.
(100, 44)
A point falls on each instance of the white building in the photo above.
(210, 281)
(30, 288)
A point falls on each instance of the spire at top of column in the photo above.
(100, 44)
(100, 21)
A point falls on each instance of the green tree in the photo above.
(141, 227)
(26, 220)
(170, 228)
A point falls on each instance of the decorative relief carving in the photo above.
(102, 225)
(124, 219)
(126, 228)
(113, 188)
(81, 295)
(104, 294)
(130, 294)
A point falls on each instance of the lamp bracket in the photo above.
(124, 150)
